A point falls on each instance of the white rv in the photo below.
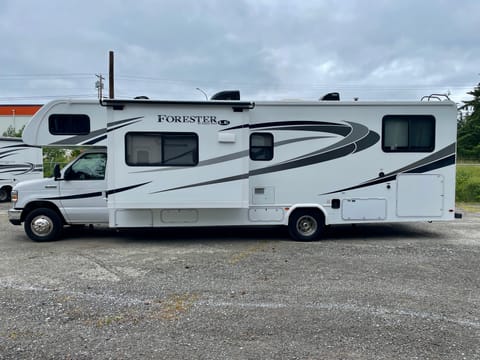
(303, 165)
(18, 162)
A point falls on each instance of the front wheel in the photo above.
(4, 195)
(43, 224)
(306, 225)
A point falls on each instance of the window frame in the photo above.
(70, 118)
(270, 148)
(162, 135)
(410, 118)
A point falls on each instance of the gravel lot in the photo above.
(366, 292)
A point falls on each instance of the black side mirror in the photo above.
(56, 172)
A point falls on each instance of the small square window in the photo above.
(261, 146)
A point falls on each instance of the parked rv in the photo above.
(18, 162)
(298, 164)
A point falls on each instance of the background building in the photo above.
(16, 116)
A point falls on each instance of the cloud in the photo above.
(267, 49)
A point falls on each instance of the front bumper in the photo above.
(14, 216)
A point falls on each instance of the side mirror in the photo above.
(56, 172)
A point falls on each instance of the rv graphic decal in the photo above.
(94, 137)
(114, 191)
(18, 168)
(76, 196)
(361, 136)
(96, 194)
(356, 138)
(438, 160)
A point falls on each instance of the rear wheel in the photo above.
(43, 224)
(306, 225)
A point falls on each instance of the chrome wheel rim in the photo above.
(41, 225)
(307, 225)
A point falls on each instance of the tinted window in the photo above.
(261, 146)
(69, 124)
(161, 149)
(88, 167)
(408, 133)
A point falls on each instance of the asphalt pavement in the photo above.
(387, 291)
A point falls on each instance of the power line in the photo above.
(37, 76)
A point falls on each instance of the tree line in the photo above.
(468, 126)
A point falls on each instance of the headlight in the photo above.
(14, 196)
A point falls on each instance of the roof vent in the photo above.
(227, 95)
(333, 96)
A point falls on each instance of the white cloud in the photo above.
(266, 48)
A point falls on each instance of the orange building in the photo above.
(16, 116)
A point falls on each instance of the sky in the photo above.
(267, 49)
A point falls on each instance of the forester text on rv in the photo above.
(189, 119)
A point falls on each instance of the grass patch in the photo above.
(468, 183)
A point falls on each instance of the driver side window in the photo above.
(89, 167)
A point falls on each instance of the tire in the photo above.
(43, 224)
(4, 195)
(306, 225)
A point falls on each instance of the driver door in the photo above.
(82, 192)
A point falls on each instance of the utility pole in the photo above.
(99, 85)
(111, 86)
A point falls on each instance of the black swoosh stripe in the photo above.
(19, 169)
(96, 193)
(96, 136)
(440, 159)
(334, 154)
(446, 151)
(359, 138)
(371, 139)
(76, 196)
(287, 166)
(282, 123)
(126, 188)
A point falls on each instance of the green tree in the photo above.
(12, 132)
(468, 138)
(54, 155)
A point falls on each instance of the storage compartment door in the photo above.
(364, 209)
(420, 195)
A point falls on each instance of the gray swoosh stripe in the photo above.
(234, 156)
(79, 139)
(211, 182)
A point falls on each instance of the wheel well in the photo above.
(40, 204)
(313, 210)
(8, 190)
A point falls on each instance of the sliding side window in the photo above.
(69, 124)
(408, 133)
(261, 146)
(161, 149)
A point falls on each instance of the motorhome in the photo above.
(18, 162)
(300, 164)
